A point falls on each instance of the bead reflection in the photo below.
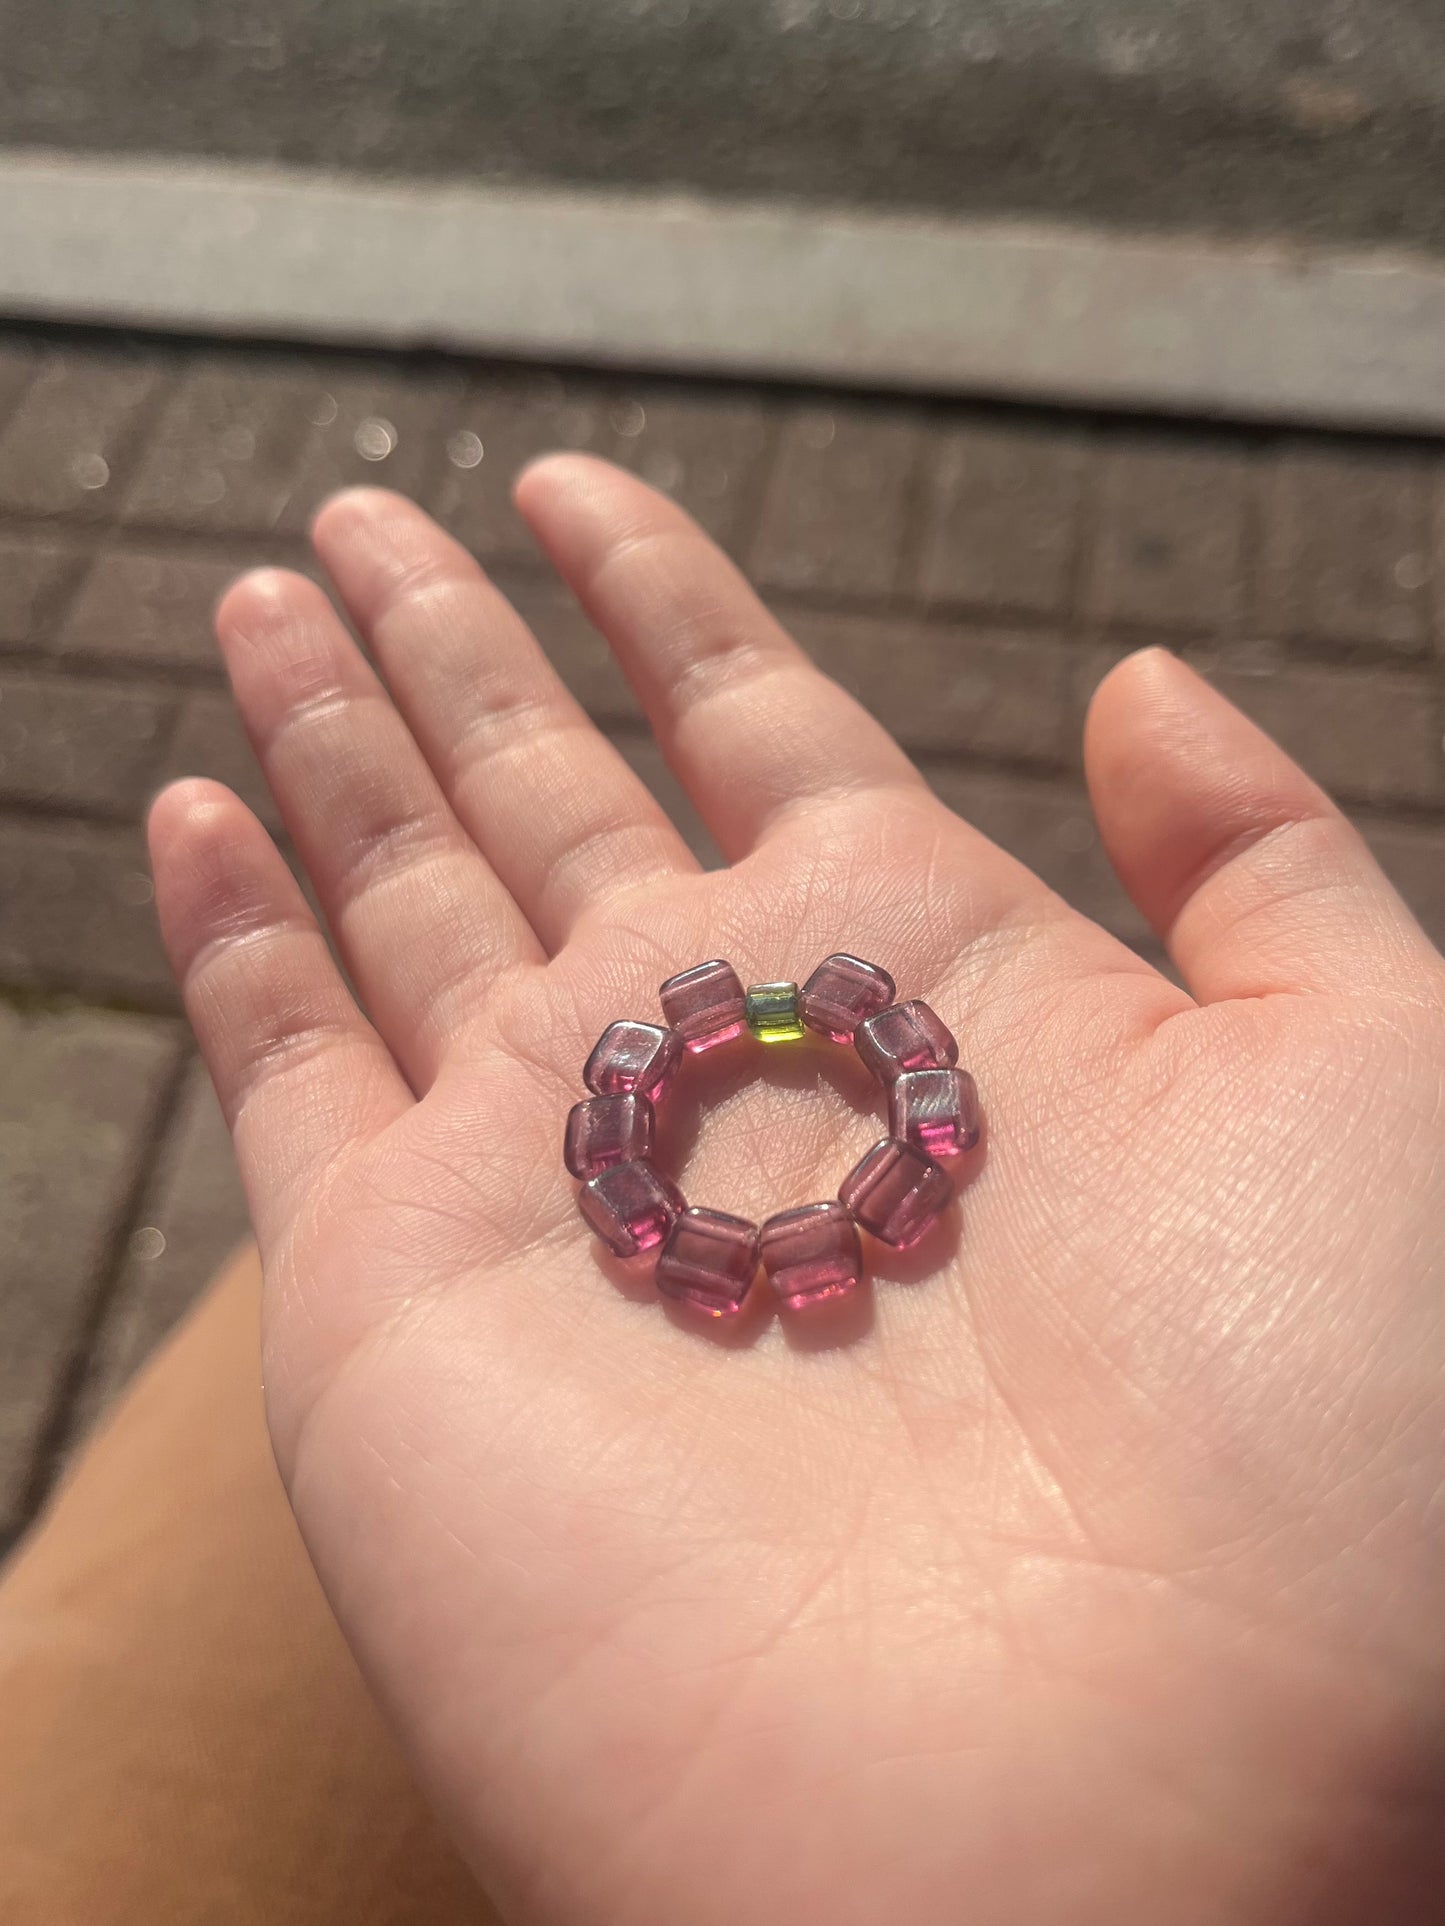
(374, 439)
(464, 449)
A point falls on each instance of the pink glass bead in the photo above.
(631, 1207)
(812, 1254)
(906, 1036)
(706, 1005)
(709, 1261)
(934, 1110)
(632, 1059)
(896, 1193)
(603, 1131)
(841, 993)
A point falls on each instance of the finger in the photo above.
(301, 1075)
(563, 820)
(1244, 866)
(752, 728)
(422, 921)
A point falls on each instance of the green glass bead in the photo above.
(772, 1012)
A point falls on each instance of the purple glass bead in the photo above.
(906, 1036)
(602, 1131)
(842, 993)
(934, 1110)
(631, 1207)
(896, 1193)
(632, 1059)
(706, 1005)
(812, 1254)
(709, 1261)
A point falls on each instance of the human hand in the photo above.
(1102, 1578)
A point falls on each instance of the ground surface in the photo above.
(1316, 119)
(969, 571)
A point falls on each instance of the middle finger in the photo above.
(561, 817)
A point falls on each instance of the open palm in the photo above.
(1099, 1575)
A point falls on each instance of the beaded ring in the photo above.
(709, 1258)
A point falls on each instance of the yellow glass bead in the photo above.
(772, 1012)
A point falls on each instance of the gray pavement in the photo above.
(1316, 119)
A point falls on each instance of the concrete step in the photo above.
(1227, 210)
(1323, 120)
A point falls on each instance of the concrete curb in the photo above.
(986, 308)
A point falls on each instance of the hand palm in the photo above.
(1097, 1578)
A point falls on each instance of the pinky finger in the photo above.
(301, 1075)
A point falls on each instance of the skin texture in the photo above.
(1094, 1571)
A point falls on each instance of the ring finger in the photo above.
(422, 921)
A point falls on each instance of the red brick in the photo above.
(574, 647)
(209, 741)
(1365, 734)
(1050, 827)
(77, 912)
(644, 756)
(79, 1101)
(75, 743)
(149, 606)
(192, 1216)
(504, 423)
(1346, 547)
(223, 453)
(1413, 857)
(706, 448)
(1437, 560)
(1169, 548)
(35, 572)
(17, 367)
(69, 443)
(1001, 518)
(836, 510)
(369, 429)
(937, 686)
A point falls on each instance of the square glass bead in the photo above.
(934, 1110)
(706, 1005)
(772, 1012)
(602, 1131)
(896, 1193)
(631, 1207)
(709, 1261)
(812, 1255)
(633, 1059)
(842, 993)
(905, 1036)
